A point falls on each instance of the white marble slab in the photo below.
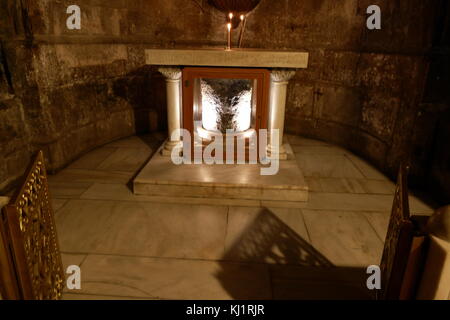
(101, 191)
(142, 229)
(345, 238)
(267, 235)
(311, 283)
(161, 177)
(153, 278)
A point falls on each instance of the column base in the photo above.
(273, 153)
(169, 146)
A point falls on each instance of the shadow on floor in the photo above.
(296, 269)
(154, 141)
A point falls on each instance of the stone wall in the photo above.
(68, 91)
(430, 147)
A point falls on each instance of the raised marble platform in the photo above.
(160, 177)
(251, 58)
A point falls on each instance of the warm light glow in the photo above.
(210, 115)
(229, 26)
(230, 15)
(242, 17)
(209, 134)
(204, 134)
(243, 116)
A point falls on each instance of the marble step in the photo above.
(161, 177)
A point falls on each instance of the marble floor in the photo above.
(153, 247)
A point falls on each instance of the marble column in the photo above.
(279, 79)
(173, 92)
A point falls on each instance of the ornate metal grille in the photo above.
(398, 240)
(32, 238)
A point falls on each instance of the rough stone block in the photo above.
(405, 28)
(308, 24)
(338, 104)
(300, 99)
(117, 125)
(300, 126)
(4, 174)
(379, 113)
(13, 134)
(340, 67)
(17, 163)
(68, 147)
(84, 55)
(395, 74)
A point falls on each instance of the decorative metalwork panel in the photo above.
(398, 240)
(33, 237)
(9, 288)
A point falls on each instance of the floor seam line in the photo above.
(354, 164)
(226, 232)
(374, 230)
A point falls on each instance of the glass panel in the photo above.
(225, 104)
